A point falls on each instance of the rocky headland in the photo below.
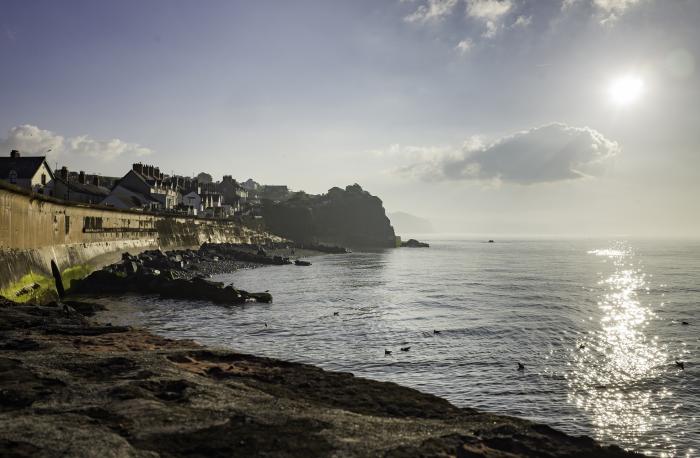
(351, 217)
(70, 386)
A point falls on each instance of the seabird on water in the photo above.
(435, 331)
(405, 348)
(387, 352)
(521, 367)
(680, 364)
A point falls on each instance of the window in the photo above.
(67, 219)
(43, 178)
(13, 177)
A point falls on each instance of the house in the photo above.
(250, 185)
(211, 198)
(234, 194)
(31, 172)
(275, 193)
(80, 188)
(143, 187)
(193, 202)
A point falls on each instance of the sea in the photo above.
(601, 327)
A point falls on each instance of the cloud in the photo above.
(32, 140)
(464, 46)
(613, 9)
(490, 12)
(433, 10)
(550, 153)
(608, 11)
(522, 21)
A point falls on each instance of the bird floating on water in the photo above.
(336, 313)
(521, 367)
(435, 331)
(405, 348)
(685, 323)
(387, 352)
(581, 347)
(680, 364)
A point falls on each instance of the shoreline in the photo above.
(71, 385)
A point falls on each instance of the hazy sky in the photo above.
(487, 116)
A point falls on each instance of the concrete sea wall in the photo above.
(36, 230)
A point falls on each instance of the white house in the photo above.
(32, 172)
(194, 201)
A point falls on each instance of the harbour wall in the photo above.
(36, 230)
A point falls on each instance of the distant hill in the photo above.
(405, 223)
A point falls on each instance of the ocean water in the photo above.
(596, 323)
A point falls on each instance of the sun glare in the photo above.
(626, 90)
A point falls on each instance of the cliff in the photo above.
(351, 217)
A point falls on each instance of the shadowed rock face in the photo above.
(115, 391)
(351, 217)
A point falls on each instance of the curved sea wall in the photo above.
(36, 230)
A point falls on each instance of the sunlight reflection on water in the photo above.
(616, 364)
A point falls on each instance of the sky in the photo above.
(530, 117)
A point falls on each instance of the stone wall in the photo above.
(35, 230)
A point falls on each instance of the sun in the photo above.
(626, 90)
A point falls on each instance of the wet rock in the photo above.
(140, 395)
(413, 243)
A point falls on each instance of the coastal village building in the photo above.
(275, 193)
(211, 198)
(31, 172)
(234, 194)
(80, 188)
(192, 203)
(143, 187)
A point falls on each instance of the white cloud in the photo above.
(464, 46)
(433, 10)
(490, 12)
(522, 21)
(613, 9)
(608, 11)
(32, 140)
(550, 153)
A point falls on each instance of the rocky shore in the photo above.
(183, 273)
(72, 387)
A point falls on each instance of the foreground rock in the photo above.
(413, 243)
(114, 391)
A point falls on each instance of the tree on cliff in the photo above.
(204, 177)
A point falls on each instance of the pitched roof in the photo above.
(25, 167)
(85, 188)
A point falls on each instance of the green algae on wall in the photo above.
(36, 287)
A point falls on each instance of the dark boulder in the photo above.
(413, 243)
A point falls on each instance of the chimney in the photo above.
(150, 171)
(64, 173)
(138, 168)
(81, 177)
(156, 173)
(14, 153)
(96, 180)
